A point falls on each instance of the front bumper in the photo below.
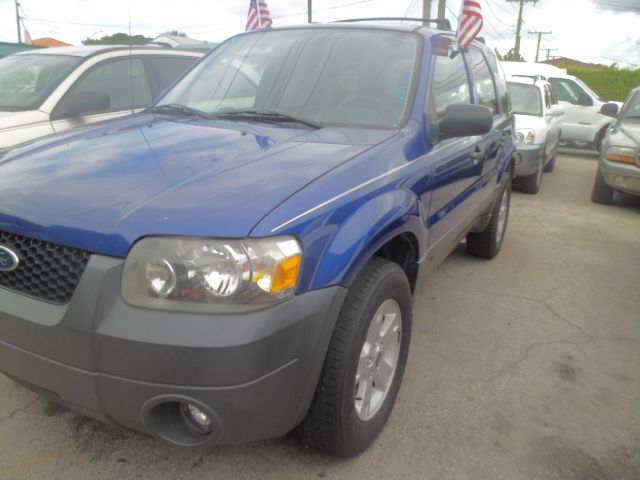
(621, 176)
(528, 159)
(254, 373)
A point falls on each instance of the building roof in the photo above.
(49, 42)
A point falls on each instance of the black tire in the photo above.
(551, 164)
(531, 183)
(602, 193)
(332, 424)
(487, 243)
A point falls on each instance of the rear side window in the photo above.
(124, 81)
(166, 70)
(483, 81)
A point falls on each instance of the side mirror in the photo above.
(81, 103)
(610, 109)
(465, 121)
(556, 110)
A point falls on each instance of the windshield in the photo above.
(631, 108)
(526, 99)
(340, 77)
(27, 80)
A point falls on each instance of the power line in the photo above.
(539, 39)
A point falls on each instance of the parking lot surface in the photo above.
(523, 367)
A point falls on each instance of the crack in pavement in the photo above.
(19, 409)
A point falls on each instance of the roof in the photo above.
(49, 42)
(90, 50)
(175, 40)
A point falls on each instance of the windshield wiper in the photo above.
(267, 116)
(178, 109)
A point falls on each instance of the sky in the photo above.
(586, 30)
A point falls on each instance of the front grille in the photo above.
(46, 271)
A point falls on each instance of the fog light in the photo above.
(196, 419)
(618, 180)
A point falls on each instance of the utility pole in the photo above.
(18, 21)
(309, 15)
(442, 5)
(549, 50)
(516, 48)
(539, 39)
(426, 10)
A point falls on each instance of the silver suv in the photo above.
(51, 90)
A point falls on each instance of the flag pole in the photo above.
(259, 16)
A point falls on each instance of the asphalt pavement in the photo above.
(523, 367)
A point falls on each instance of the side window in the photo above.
(569, 91)
(124, 81)
(167, 69)
(450, 84)
(483, 81)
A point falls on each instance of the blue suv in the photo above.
(239, 260)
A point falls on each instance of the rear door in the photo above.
(457, 162)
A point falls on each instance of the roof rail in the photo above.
(534, 77)
(441, 23)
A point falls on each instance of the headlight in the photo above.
(525, 136)
(622, 154)
(200, 274)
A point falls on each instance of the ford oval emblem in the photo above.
(8, 259)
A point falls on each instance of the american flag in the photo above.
(258, 18)
(469, 23)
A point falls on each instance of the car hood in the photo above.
(101, 188)
(529, 121)
(626, 133)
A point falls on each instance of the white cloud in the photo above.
(580, 29)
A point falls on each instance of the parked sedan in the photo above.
(619, 167)
(537, 130)
(51, 90)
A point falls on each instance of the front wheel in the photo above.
(487, 243)
(364, 365)
(531, 183)
(602, 193)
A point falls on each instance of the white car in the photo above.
(538, 117)
(51, 90)
(582, 122)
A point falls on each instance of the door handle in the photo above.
(478, 155)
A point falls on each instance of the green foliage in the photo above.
(176, 33)
(510, 56)
(612, 83)
(118, 39)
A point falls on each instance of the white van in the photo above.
(582, 121)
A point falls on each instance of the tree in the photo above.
(176, 33)
(118, 39)
(510, 56)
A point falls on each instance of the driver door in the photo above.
(579, 120)
(123, 80)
